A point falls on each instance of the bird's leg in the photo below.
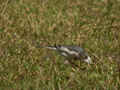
(73, 64)
(76, 66)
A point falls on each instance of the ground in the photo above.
(27, 24)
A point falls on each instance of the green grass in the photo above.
(92, 24)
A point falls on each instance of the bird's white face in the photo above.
(88, 60)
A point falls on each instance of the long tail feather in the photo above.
(50, 47)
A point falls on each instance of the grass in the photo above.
(92, 24)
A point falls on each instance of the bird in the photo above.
(72, 52)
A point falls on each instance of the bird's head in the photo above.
(88, 60)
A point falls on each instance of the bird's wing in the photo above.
(79, 50)
(75, 48)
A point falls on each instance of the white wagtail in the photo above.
(71, 52)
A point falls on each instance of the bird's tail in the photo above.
(48, 47)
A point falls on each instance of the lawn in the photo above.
(26, 24)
